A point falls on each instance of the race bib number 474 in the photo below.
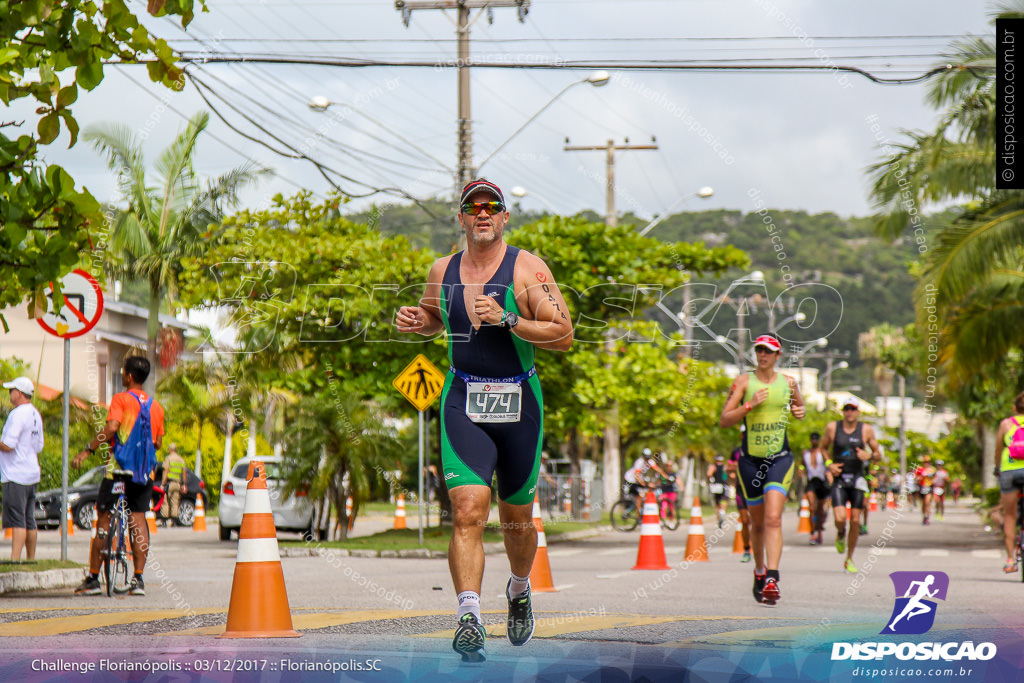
(487, 402)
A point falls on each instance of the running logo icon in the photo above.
(914, 611)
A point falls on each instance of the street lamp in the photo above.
(596, 79)
(799, 317)
(828, 379)
(319, 103)
(519, 191)
(703, 193)
(820, 341)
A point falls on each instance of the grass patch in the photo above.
(7, 566)
(434, 538)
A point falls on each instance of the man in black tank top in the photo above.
(497, 304)
(854, 446)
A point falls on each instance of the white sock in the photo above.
(469, 603)
(518, 586)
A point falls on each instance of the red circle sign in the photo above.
(82, 307)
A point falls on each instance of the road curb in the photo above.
(495, 548)
(17, 582)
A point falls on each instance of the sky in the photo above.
(793, 140)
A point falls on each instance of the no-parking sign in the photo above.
(80, 310)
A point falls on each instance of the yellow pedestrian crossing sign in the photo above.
(421, 382)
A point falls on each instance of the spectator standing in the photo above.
(20, 444)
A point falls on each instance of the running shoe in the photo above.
(926, 521)
(863, 529)
(469, 639)
(747, 557)
(1010, 567)
(759, 582)
(90, 586)
(849, 566)
(770, 594)
(519, 625)
(840, 544)
(137, 586)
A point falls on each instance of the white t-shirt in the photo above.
(640, 465)
(812, 469)
(23, 432)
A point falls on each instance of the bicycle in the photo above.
(625, 516)
(115, 553)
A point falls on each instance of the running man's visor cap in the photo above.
(852, 402)
(481, 186)
(768, 342)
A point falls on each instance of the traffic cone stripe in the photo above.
(697, 529)
(258, 550)
(259, 525)
(199, 518)
(542, 539)
(650, 529)
(696, 544)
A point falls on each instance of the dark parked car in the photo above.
(82, 494)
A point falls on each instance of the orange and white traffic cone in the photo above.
(696, 543)
(348, 512)
(400, 512)
(151, 518)
(737, 540)
(95, 521)
(873, 505)
(890, 501)
(8, 532)
(199, 520)
(259, 601)
(540, 573)
(71, 522)
(651, 553)
(804, 527)
(586, 500)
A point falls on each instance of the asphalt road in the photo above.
(603, 616)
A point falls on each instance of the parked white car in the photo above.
(291, 513)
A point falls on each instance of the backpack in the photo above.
(138, 453)
(1016, 445)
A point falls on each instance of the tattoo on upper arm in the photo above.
(541, 277)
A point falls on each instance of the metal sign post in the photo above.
(79, 313)
(421, 383)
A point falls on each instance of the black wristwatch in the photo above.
(509, 320)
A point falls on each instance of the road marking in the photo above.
(567, 552)
(617, 551)
(315, 620)
(57, 625)
(934, 552)
(987, 554)
(884, 551)
(610, 576)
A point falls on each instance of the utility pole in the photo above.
(612, 453)
(610, 217)
(465, 171)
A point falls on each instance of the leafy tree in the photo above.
(166, 221)
(48, 51)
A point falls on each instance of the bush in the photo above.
(991, 496)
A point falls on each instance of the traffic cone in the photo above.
(8, 532)
(199, 521)
(348, 512)
(95, 521)
(696, 544)
(737, 540)
(151, 518)
(71, 522)
(540, 572)
(651, 553)
(890, 501)
(400, 512)
(259, 601)
(586, 500)
(873, 506)
(804, 527)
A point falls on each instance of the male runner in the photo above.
(848, 438)
(717, 479)
(924, 475)
(496, 303)
(817, 486)
(763, 401)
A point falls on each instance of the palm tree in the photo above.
(338, 445)
(166, 221)
(199, 396)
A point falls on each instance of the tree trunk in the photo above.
(988, 457)
(152, 328)
(612, 473)
(199, 452)
(225, 469)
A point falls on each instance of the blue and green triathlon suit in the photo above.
(851, 485)
(766, 463)
(471, 452)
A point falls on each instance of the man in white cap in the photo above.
(20, 444)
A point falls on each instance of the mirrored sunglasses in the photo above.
(474, 208)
